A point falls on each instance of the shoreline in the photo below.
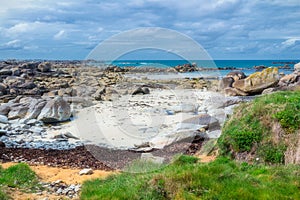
(136, 115)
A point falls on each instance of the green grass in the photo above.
(250, 127)
(187, 179)
(18, 176)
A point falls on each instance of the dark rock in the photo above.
(115, 69)
(27, 85)
(3, 88)
(16, 72)
(260, 67)
(236, 75)
(5, 72)
(2, 132)
(30, 65)
(141, 90)
(2, 144)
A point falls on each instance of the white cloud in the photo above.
(60, 35)
(19, 28)
(216, 25)
(290, 42)
(10, 45)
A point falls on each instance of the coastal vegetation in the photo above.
(252, 151)
(188, 179)
(265, 129)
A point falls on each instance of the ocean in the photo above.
(224, 66)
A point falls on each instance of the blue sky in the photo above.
(227, 29)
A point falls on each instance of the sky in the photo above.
(226, 29)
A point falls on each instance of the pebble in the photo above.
(86, 171)
(3, 119)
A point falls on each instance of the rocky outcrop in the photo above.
(187, 68)
(256, 83)
(56, 110)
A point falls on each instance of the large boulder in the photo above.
(258, 81)
(56, 110)
(35, 108)
(17, 111)
(297, 67)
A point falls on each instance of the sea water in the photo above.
(223, 66)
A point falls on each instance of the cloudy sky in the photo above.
(227, 29)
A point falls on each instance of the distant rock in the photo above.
(258, 81)
(56, 110)
(187, 68)
(115, 69)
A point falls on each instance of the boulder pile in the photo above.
(236, 83)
